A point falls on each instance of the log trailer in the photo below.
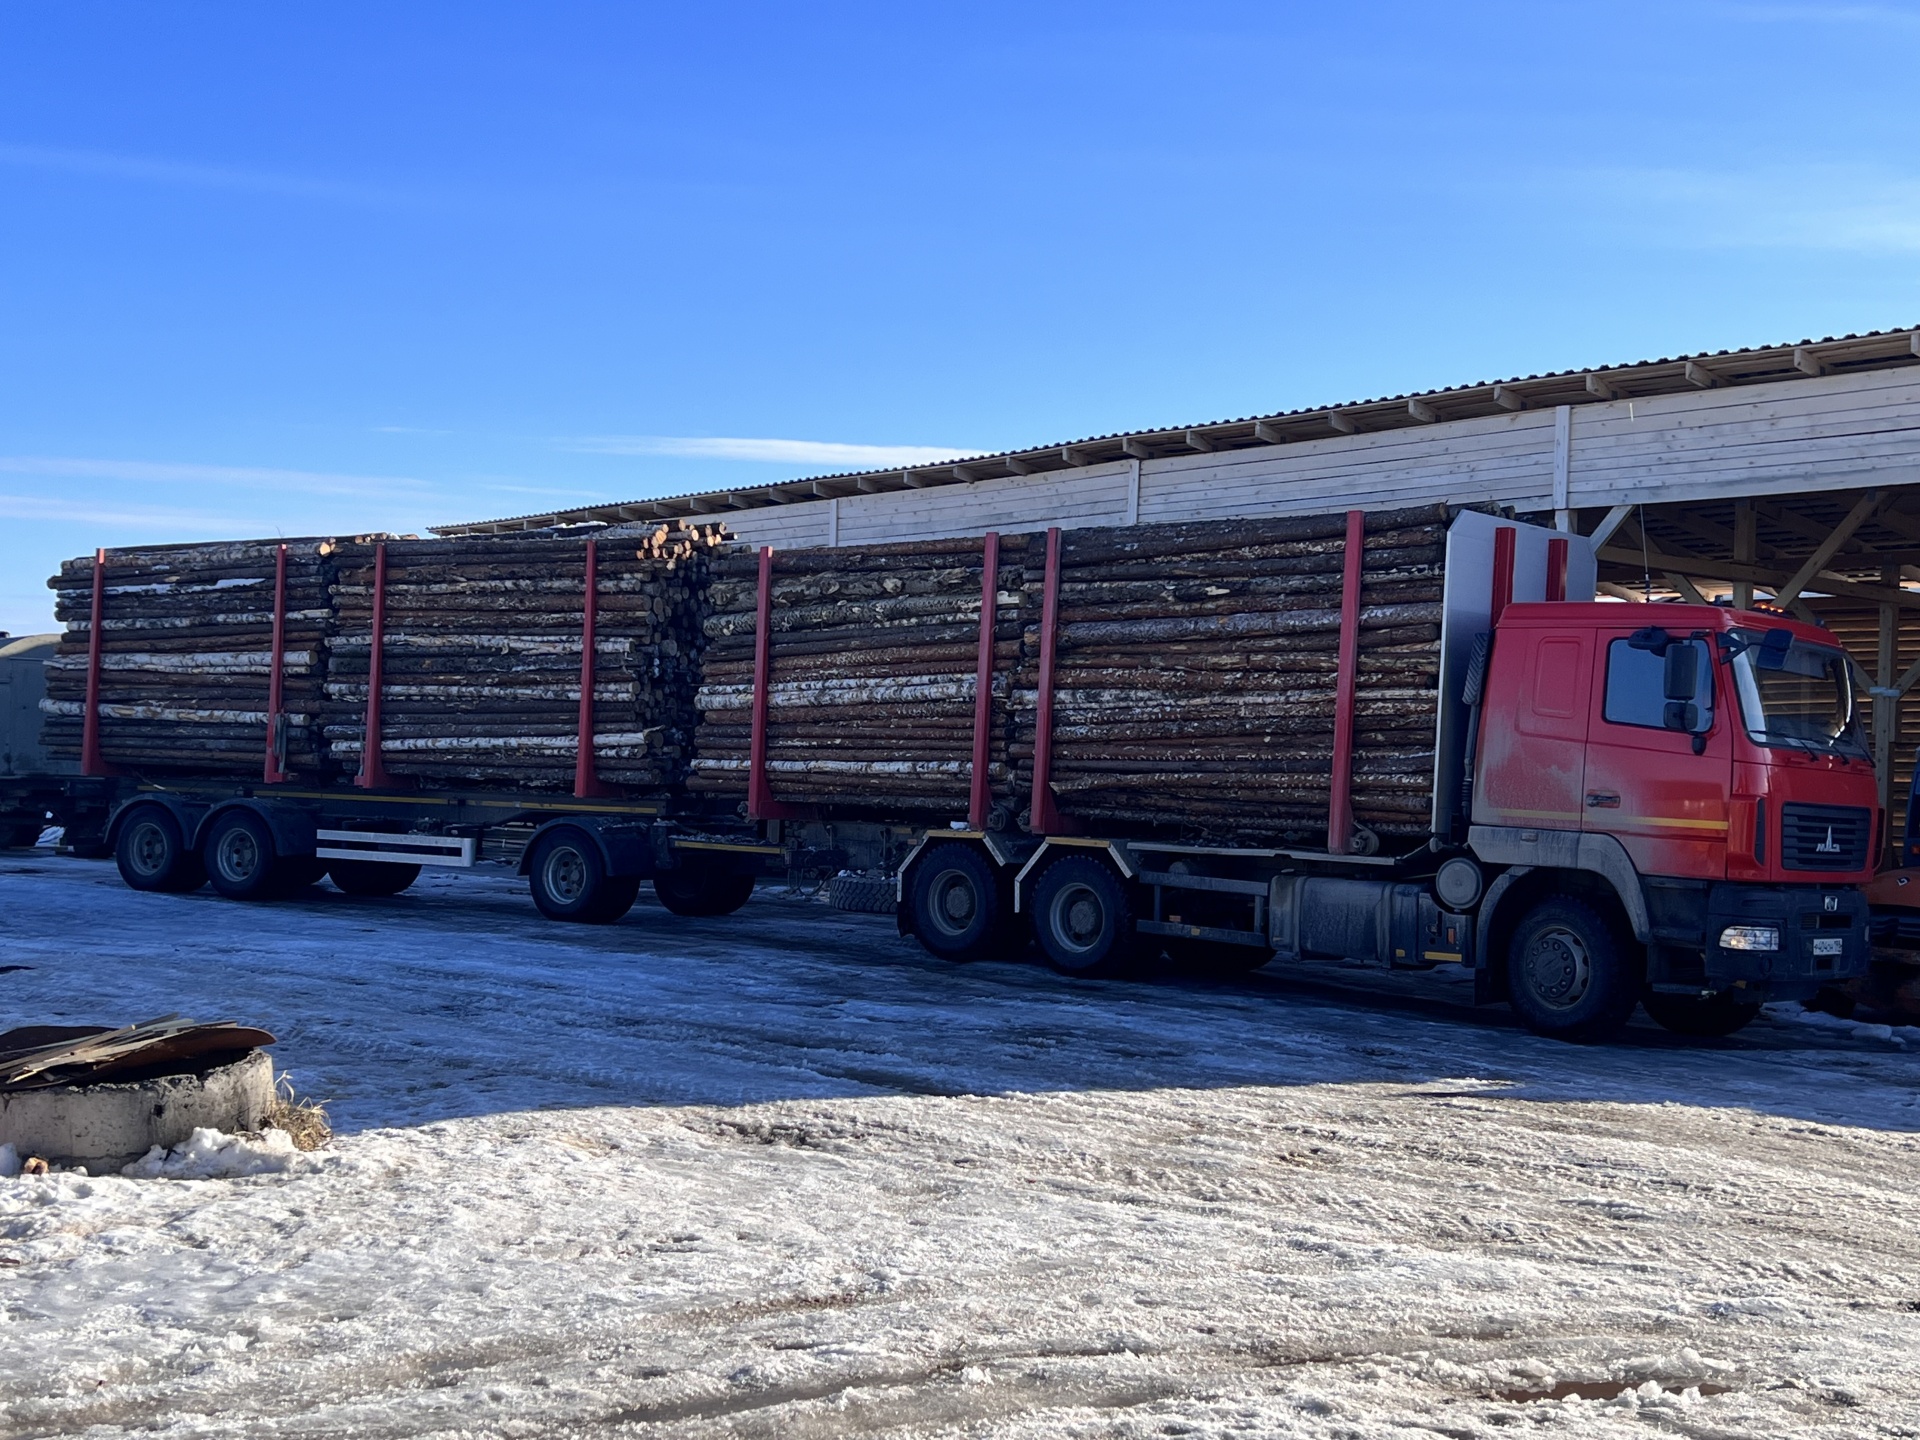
(1671, 804)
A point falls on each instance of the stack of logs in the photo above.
(186, 656)
(1194, 686)
(481, 656)
(874, 655)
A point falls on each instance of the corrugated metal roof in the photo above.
(1804, 359)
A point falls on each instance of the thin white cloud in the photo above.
(149, 517)
(778, 452)
(312, 482)
(152, 170)
(1846, 208)
(547, 490)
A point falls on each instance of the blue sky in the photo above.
(279, 269)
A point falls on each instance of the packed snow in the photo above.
(783, 1174)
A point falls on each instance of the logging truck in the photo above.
(1663, 804)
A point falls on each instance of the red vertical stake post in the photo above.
(1556, 569)
(1340, 782)
(586, 782)
(1045, 818)
(274, 770)
(90, 761)
(760, 802)
(980, 801)
(373, 773)
(1502, 572)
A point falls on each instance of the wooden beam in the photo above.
(1600, 388)
(917, 479)
(1687, 588)
(962, 474)
(868, 485)
(1508, 399)
(1343, 423)
(1136, 448)
(1620, 592)
(1017, 466)
(1806, 362)
(1422, 411)
(1608, 524)
(1197, 440)
(1816, 562)
(1698, 374)
(1709, 568)
(1075, 458)
(1268, 433)
(1913, 342)
(1746, 550)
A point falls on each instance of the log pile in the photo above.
(874, 655)
(1194, 687)
(481, 660)
(186, 650)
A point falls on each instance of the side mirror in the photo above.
(1650, 637)
(1684, 716)
(1682, 674)
(1773, 649)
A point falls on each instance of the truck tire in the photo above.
(569, 881)
(863, 894)
(1709, 1016)
(371, 877)
(959, 912)
(700, 894)
(240, 859)
(1570, 974)
(1083, 918)
(153, 855)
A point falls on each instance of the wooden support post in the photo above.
(1556, 569)
(1886, 698)
(373, 770)
(274, 771)
(586, 779)
(1862, 512)
(760, 802)
(1503, 540)
(1045, 818)
(1745, 549)
(1346, 680)
(980, 798)
(90, 761)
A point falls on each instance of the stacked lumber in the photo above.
(874, 659)
(1194, 685)
(186, 656)
(482, 651)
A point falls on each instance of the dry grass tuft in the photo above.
(304, 1120)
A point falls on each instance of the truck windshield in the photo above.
(1812, 702)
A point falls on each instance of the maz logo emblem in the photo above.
(1826, 846)
(1833, 902)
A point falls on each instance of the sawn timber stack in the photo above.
(186, 655)
(1195, 675)
(482, 650)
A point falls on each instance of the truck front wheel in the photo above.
(1570, 974)
(1083, 917)
(569, 881)
(153, 855)
(701, 893)
(958, 913)
(1704, 1015)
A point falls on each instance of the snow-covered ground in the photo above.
(785, 1175)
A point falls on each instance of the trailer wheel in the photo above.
(1570, 974)
(371, 877)
(569, 881)
(1708, 1016)
(240, 859)
(699, 894)
(1083, 917)
(958, 910)
(153, 855)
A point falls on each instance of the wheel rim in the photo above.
(955, 902)
(1559, 968)
(147, 849)
(565, 875)
(237, 856)
(1077, 918)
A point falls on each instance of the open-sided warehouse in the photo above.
(1788, 473)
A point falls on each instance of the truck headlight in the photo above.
(1750, 937)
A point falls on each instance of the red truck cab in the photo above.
(1710, 764)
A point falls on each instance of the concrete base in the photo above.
(109, 1125)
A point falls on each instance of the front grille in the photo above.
(1825, 837)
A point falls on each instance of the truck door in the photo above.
(1644, 783)
(1534, 729)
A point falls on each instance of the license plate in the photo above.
(1834, 946)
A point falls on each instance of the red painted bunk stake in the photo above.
(586, 782)
(1046, 818)
(760, 802)
(980, 800)
(274, 771)
(1340, 790)
(1556, 569)
(90, 761)
(1503, 539)
(373, 772)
